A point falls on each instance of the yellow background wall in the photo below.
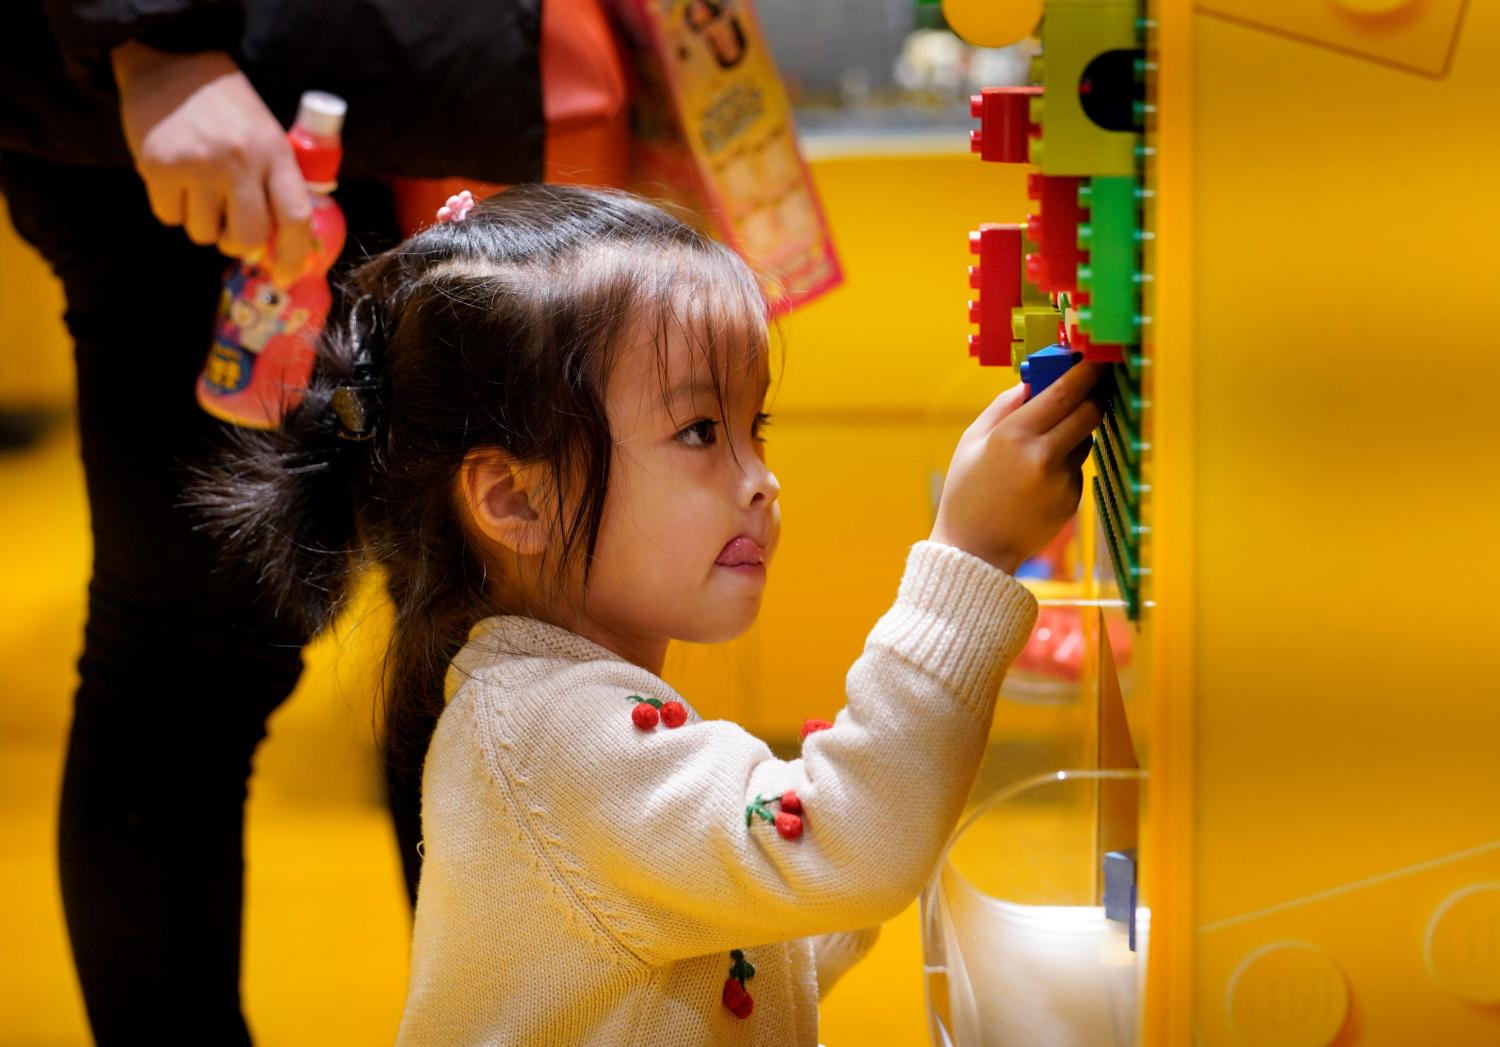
(1344, 503)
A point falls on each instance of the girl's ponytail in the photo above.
(288, 501)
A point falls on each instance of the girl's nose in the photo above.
(761, 483)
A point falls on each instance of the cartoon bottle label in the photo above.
(265, 336)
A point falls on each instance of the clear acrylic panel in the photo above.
(1017, 945)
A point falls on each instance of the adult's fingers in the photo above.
(204, 220)
(247, 223)
(1054, 403)
(291, 213)
(168, 200)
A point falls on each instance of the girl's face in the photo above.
(691, 519)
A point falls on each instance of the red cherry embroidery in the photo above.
(645, 716)
(673, 714)
(788, 821)
(735, 997)
(740, 1002)
(811, 726)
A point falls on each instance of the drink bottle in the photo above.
(265, 336)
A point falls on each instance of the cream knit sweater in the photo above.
(585, 880)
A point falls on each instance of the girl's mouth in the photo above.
(742, 551)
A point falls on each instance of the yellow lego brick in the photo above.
(1074, 33)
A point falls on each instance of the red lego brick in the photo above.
(1005, 127)
(1054, 268)
(997, 278)
(1096, 352)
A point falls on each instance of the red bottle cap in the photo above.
(315, 138)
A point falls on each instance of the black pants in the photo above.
(182, 661)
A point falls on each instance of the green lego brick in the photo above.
(1109, 276)
(1073, 34)
(1124, 396)
(1127, 574)
(1108, 471)
(1124, 475)
(1129, 443)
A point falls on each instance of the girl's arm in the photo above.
(662, 834)
(835, 953)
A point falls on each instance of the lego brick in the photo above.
(1073, 34)
(1130, 444)
(1031, 294)
(997, 278)
(1127, 574)
(1005, 127)
(1118, 486)
(1097, 352)
(1120, 892)
(1054, 229)
(1417, 36)
(1109, 235)
(1034, 327)
(1046, 366)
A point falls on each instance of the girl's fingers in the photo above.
(1049, 407)
(204, 221)
(1078, 455)
(1075, 428)
(1000, 408)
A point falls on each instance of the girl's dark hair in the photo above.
(499, 331)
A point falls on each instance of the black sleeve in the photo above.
(87, 30)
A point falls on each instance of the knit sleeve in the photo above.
(687, 840)
(835, 953)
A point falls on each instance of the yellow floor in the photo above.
(326, 923)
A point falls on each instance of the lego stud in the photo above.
(1287, 994)
(1461, 949)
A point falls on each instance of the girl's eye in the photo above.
(762, 422)
(699, 434)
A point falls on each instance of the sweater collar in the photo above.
(510, 634)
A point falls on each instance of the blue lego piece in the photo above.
(1046, 366)
(1120, 890)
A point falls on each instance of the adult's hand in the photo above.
(214, 159)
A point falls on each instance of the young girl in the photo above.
(543, 420)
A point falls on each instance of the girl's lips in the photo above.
(741, 551)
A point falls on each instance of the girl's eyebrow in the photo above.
(690, 388)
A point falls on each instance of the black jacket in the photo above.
(435, 87)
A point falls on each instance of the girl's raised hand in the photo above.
(1016, 475)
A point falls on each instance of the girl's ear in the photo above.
(500, 495)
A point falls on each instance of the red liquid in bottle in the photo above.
(265, 336)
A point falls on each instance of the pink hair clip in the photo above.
(457, 208)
